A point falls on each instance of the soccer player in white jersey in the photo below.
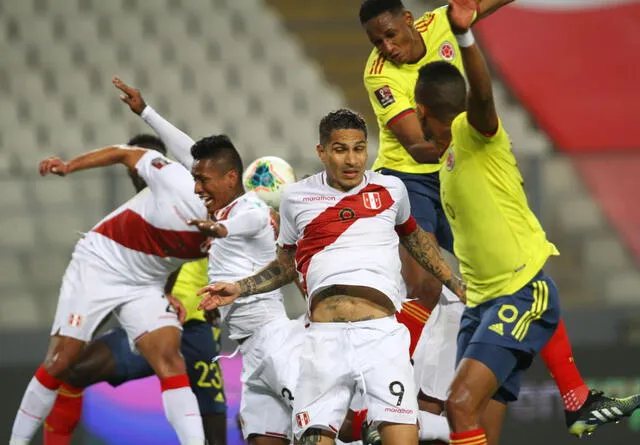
(121, 266)
(244, 241)
(337, 230)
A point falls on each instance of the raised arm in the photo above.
(487, 7)
(426, 252)
(178, 142)
(481, 110)
(102, 157)
(273, 276)
(410, 134)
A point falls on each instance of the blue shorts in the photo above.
(426, 208)
(199, 345)
(507, 332)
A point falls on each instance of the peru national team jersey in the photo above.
(498, 240)
(248, 247)
(391, 89)
(147, 238)
(347, 238)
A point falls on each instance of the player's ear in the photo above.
(321, 151)
(408, 18)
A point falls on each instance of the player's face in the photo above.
(344, 158)
(216, 189)
(393, 36)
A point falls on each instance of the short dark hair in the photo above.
(148, 141)
(220, 148)
(373, 8)
(442, 89)
(342, 119)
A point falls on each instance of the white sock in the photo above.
(433, 427)
(181, 409)
(34, 408)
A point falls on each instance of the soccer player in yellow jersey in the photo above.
(512, 305)
(109, 357)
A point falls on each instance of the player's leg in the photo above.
(387, 380)
(108, 358)
(493, 419)
(151, 322)
(200, 344)
(82, 305)
(325, 382)
(95, 364)
(497, 342)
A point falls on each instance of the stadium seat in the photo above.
(19, 311)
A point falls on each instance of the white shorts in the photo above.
(338, 359)
(434, 358)
(269, 376)
(88, 294)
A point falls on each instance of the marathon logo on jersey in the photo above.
(385, 96)
(447, 51)
(303, 419)
(372, 200)
(75, 320)
(159, 162)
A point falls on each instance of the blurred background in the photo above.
(265, 72)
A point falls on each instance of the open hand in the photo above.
(131, 96)
(53, 165)
(218, 294)
(461, 14)
(209, 228)
(181, 312)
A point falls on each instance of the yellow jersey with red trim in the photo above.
(191, 278)
(391, 89)
(498, 240)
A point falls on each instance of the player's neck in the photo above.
(419, 49)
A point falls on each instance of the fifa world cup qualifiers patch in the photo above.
(385, 96)
(159, 162)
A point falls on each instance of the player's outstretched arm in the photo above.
(411, 135)
(273, 276)
(427, 253)
(487, 7)
(481, 110)
(178, 142)
(102, 157)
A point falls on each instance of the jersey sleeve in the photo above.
(405, 222)
(480, 140)
(161, 173)
(248, 222)
(178, 142)
(389, 101)
(287, 238)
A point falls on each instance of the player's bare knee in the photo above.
(458, 405)
(60, 360)
(169, 362)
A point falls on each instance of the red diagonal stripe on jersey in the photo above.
(130, 230)
(327, 227)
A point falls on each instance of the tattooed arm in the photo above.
(273, 276)
(276, 274)
(427, 253)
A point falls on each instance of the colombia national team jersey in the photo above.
(498, 240)
(191, 278)
(391, 89)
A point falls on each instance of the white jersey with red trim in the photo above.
(147, 238)
(248, 247)
(347, 238)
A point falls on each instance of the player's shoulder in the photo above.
(310, 183)
(389, 182)
(247, 202)
(377, 66)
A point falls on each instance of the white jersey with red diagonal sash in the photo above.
(147, 238)
(347, 238)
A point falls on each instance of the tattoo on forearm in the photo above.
(427, 253)
(275, 275)
(311, 437)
